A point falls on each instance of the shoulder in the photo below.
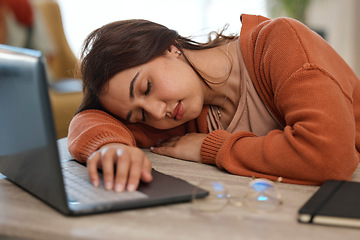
(255, 24)
(260, 34)
(279, 47)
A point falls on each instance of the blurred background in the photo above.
(58, 28)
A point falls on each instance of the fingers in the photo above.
(134, 175)
(164, 150)
(140, 168)
(167, 147)
(130, 163)
(171, 142)
(186, 147)
(92, 164)
(108, 157)
(122, 171)
(146, 172)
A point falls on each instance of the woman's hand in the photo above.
(123, 166)
(185, 147)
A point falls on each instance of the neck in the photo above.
(214, 65)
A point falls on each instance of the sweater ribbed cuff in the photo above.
(99, 140)
(211, 145)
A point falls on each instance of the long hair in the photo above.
(125, 44)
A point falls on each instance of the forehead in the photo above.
(120, 82)
(123, 79)
(115, 97)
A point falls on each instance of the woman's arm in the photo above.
(103, 141)
(317, 144)
(307, 85)
(91, 129)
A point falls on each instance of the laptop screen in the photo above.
(28, 150)
(20, 94)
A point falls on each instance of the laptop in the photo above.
(29, 155)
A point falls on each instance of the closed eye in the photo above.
(148, 88)
(146, 93)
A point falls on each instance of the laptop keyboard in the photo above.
(80, 190)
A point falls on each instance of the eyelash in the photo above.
(148, 88)
(146, 93)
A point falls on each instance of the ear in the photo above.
(174, 51)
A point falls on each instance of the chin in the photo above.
(168, 126)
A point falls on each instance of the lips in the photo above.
(178, 112)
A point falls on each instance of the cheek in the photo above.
(176, 80)
(195, 107)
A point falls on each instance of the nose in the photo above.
(155, 108)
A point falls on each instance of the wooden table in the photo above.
(23, 216)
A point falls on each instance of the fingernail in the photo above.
(119, 187)
(108, 185)
(119, 152)
(103, 151)
(95, 183)
(131, 188)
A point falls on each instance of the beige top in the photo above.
(251, 114)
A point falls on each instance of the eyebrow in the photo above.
(131, 91)
(132, 83)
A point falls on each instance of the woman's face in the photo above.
(163, 93)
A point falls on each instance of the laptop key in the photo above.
(81, 191)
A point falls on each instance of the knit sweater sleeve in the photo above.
(309, 88)
(91, 129)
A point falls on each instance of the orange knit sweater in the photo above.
(302, 81)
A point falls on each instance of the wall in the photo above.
(341, 22)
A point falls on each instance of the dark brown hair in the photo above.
(125, 44)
